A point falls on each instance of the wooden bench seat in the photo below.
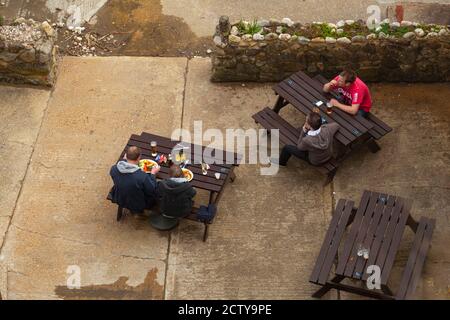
(379, 129)
(289, 135)
(416, 259)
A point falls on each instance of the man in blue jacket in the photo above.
(133, 189)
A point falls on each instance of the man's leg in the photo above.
(289, 151)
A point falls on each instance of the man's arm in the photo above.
(301, 143)
(327, 87)
(353, 109)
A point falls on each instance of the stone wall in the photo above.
(271, 50)
(28, 53)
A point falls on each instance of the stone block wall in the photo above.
(28, 53)
(271, 50)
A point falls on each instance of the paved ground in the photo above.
(269, 229)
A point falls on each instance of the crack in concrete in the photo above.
(5, 237)
(56, 237)
(186, 71)
(141, 258)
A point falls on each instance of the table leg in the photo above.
(327, 287)
(211, 197)
(386, 290)
(413, 224)
(279, 104)
(373, 145)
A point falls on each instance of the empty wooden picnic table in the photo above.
(209, 182)
(377, 225)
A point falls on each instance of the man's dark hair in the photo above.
(175, 171)
(133, 153)
(314, 120)
(349, 75)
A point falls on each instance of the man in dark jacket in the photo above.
(133, 189)
(315, 144)
(175, 200)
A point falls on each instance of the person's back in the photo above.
(176, 195)
(133, 189)
(319, 143)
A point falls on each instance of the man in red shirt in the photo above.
(355, 94)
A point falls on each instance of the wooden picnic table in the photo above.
(215, 187)
(377, 225)
(304, 92)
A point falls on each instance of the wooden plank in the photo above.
(390, 210)
(270, 113)
(334, 246)
(267, 125)
(369, 238)
(409, 268)
(420, 260)
(367, 220)
(379, 122)
(281, 126)
(327, 242)
(395, 243)
(169, 143)
(349, 242)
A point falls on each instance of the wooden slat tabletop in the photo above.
(206, 182)
(303, 92)
(378, 226)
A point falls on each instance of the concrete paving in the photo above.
(62, 217)
(269, 228)
(22, 111)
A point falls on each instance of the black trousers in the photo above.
(288, 151)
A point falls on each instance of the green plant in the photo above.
(2, 19)
(249, 27)
(325, 30)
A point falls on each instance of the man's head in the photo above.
(175, 171)
(133, 154)
(346, 77)
(314, 120)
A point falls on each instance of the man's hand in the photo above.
(333, 83)
(334, 102)
(306, 127)
(155, 170)
(316, 110)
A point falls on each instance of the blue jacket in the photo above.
(133, 189)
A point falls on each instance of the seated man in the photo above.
(355, 94)
(133, 189)
(315, 144)
(175, 195)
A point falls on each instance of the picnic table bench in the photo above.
(303, 93)
(215, 187)
(378, 225)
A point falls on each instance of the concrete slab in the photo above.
(62, 217)
(22, 112)
(413, 163)
(262, 244)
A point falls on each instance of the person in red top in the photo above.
(355, 94)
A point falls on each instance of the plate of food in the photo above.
(147, 165)
(188, 174)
